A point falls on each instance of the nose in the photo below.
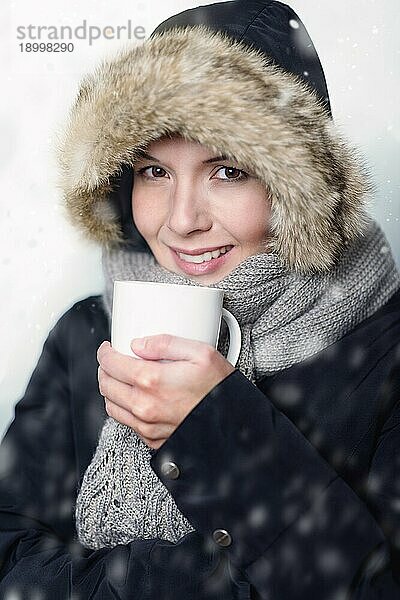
(188, 210)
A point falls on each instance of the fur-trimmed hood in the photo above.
(201, 83)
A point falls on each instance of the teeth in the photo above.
(204, 257)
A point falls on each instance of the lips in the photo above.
(199, 250)
(201, 267)
(205, 256)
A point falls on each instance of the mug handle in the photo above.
(235, 337)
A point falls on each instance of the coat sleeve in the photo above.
(290, 525)
(40, 556)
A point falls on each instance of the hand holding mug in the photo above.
(141, 390)
(153, 397)
(145, 308)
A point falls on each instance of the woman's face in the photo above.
(200, 215)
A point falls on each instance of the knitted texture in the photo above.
(284, 317)
(121, 498)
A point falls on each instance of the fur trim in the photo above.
(211, 89)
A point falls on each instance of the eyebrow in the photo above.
(216, 159)
(209, 160)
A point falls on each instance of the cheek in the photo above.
(138, 212)
(249, 219)
(147, 214)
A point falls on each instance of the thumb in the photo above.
(165, 346)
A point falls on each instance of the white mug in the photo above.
(143, 308)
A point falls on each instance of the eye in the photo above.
(232, 174)
(156, 172)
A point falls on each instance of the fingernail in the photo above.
(138, 343)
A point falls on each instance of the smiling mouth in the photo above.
(206, 256)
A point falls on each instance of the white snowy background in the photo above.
(46, 265)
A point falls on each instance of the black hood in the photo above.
(266, 25)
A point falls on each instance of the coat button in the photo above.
(170, 470)
(222, 537)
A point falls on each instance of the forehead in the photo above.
(176, 143)
(180, 149)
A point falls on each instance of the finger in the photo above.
(150, 431)
(169, 347)
(117, 391)
(128, 369)
(132, 399)
(118, 413)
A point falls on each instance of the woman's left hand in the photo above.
(151, 397)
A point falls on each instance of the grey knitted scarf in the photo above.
(284, 318)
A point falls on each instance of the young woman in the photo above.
(208, 156)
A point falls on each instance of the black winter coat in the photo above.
(302, 470)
